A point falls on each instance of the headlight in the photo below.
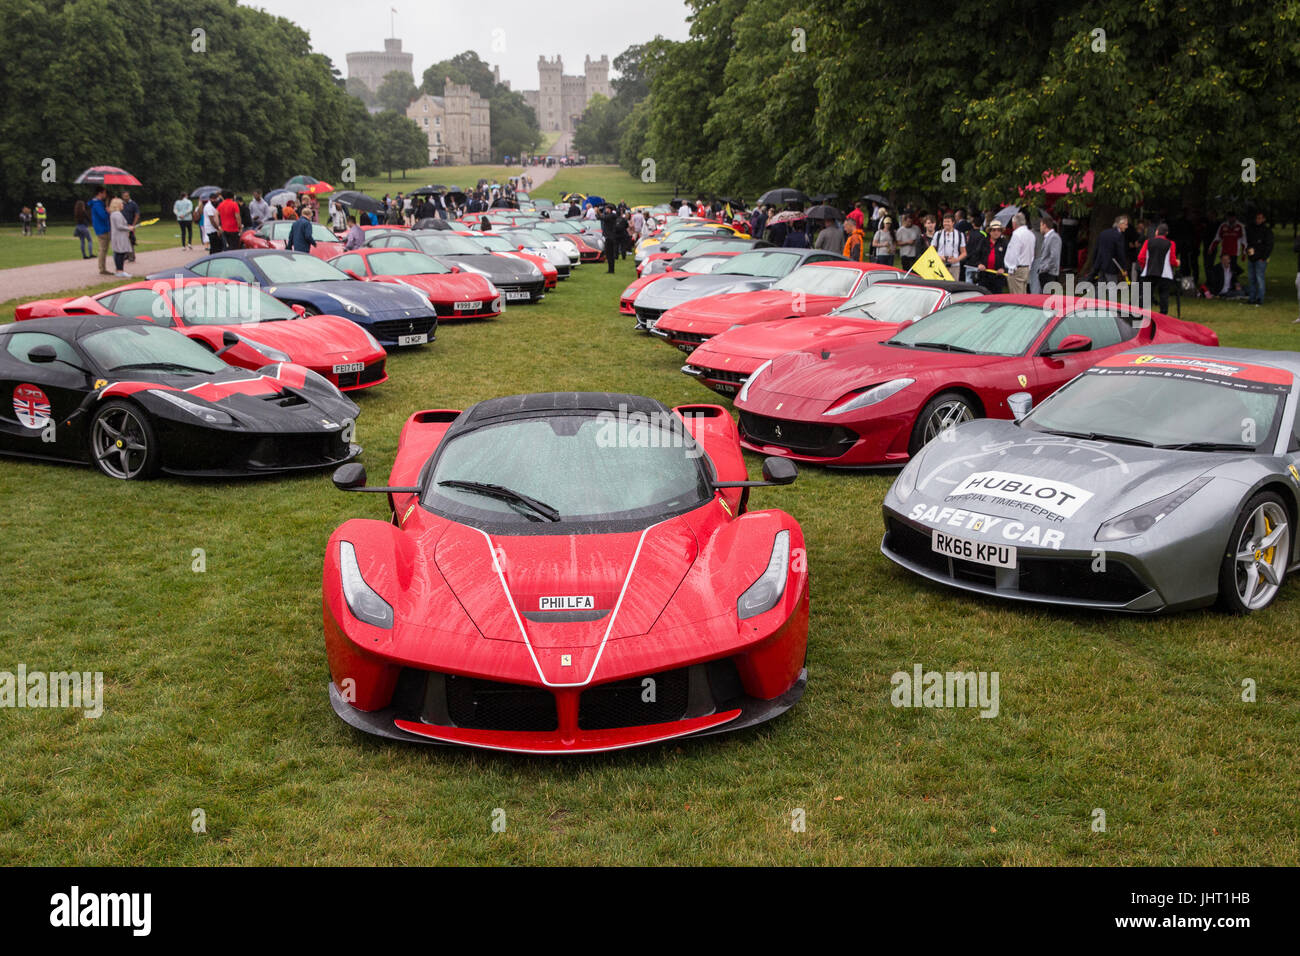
(350, 305)
(363, 602)
(213, 416)
(1144, 517)
(310, 376)
(763, 594)
(872, 396)
(905, 483)
(492, 289)
(275, 355)
(744, 389)
(374, 342)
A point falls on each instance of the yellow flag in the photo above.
(729, 215)
(929, 266)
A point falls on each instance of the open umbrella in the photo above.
(876, 198)
(357, 200)
(317, 189)
(782, 195)
(824, 212)
(278, 197)
(296, 183)
(788, 215)
(1059, 185)
(1004, 214)
(428, 190)
(107, 176)
(203, 192)
(457, 196)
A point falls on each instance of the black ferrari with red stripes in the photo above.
(134, 398)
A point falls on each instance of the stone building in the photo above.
(560, 100)
(370, 67)
(457, 124)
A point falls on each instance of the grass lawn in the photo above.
(59, 243)
(215, 695)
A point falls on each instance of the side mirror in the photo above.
(350, 476)
(300, 310)
(228, 341)
(1020, 403)
(779, 471)
(455, 268)
(42, 355)
(1071, 343)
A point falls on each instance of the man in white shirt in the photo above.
(212, 227)
(638, 223)
(1019, 256)
(951, 247)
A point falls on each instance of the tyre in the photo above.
(123, 443)
(944, 411)
(1259, 549)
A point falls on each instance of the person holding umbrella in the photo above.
(356, 235)
(100, 222)
(609, 229)
(131, 210)
(831, 237)
(183, 210)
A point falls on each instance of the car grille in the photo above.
(534, 288)
(724, 375)
(688, 338)
(368, 375)
(491, 705)
(647, 316)
(808, 438)
(292, 451)
(392, 328)
(623, 704)
(1063, 577)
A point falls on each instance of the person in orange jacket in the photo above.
(853, 246)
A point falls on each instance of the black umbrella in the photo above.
(457, 196)
(824, 212)
(428, 191)
(203, 192)
(355, 200)
(877, 198)
(298, 182)
(782, 195)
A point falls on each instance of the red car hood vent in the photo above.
(574, 591)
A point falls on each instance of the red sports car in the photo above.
(566, 573)
(812, 289)
(700, 265)
(274, 235)
(455, 294)
(877, 403)
(265, 330)
(726, 360)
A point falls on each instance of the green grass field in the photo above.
(215, 694)
(59, 243)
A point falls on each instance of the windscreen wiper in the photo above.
(503, 493)
(943, 345)
(1208, 446)
(1099, 436)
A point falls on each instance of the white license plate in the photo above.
(347, 367)
(980, 552)
(412, 339)
(685, 347)
(469, 306)
(516, 296)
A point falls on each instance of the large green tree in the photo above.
(514, 128)
(396, 92)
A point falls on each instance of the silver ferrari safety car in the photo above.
(1156, 480)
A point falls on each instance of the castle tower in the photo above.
(596, 73)
(550, 93)
(371, 66)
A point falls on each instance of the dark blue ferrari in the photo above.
(396, 315)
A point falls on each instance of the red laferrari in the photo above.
(566, 573)
(274, 235)
(455, 294)
(726, 360)
(265, 330)
(812, 289)
(878, 403)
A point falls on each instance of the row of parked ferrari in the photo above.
(1078, 451)
(238, 362)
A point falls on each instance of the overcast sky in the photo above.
(528, 28)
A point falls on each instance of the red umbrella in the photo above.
(107, 176)
(1059, 185)
(316, 189)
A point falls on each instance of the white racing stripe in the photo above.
(608, 629)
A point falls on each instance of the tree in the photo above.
(399, 143)
(396, 92)
(514, 127)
